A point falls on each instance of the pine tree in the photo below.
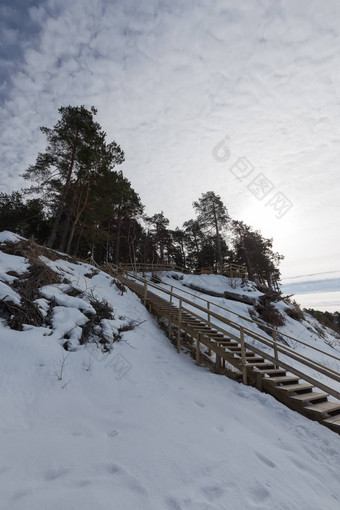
(212, 215)
(76, 153)
(159, 231)
(257, 253)
(194, 243)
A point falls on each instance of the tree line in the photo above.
(78, 202)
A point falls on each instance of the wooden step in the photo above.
(310, 396)
(323, 407)
(264, 365)
(249, 354)
(295, 388)
(253, 360)
(272, 372)
(201, 329)
(284, 379)
(334, 420)
(192, 325)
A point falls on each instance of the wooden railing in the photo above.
(152, 267)
(274, 351)
(273, 331)
(230, 269)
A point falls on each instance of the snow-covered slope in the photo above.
(141, 427)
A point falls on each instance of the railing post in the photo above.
(179, 326)
(208, 307)
(218, 363)
(170, 329)
(243, 355)
(145, 291)
(276, 356)
(172, 289)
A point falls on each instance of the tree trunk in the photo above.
(117, 247)
(70, 239)
(55, 227)
(78, 240)
(80, 210)
(198, 252)
(65, 230)
(218, 240)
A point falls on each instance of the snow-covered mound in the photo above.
(129, 423)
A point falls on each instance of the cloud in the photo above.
(170, 79)
(311, 287)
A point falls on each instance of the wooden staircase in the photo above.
(236, 358)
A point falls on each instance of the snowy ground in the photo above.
(143, 427)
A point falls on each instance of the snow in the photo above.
(58, 292)
(8, 294)
(6, 236)
(11, 263)
(143, 427)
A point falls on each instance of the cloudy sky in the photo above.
(237, 97)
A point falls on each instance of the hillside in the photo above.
(120, 420)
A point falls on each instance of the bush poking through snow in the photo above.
(92, 273)
(295, 312)
(61, 364)
(268, 313)
(93, 330)
(27, 312)
(120, 286)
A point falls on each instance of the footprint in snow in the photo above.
(173, 504)
(212, 493)
(299, 464)
(82, 483)
(113, 469)
(265, 460)
(53, 474)
(113, 433)
(199, 404)
(258, 494)
(19, 495)
(125, 478)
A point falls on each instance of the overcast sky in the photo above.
(237, 97)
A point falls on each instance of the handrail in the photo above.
(273, 330)
(240, 269)
(278, 348)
